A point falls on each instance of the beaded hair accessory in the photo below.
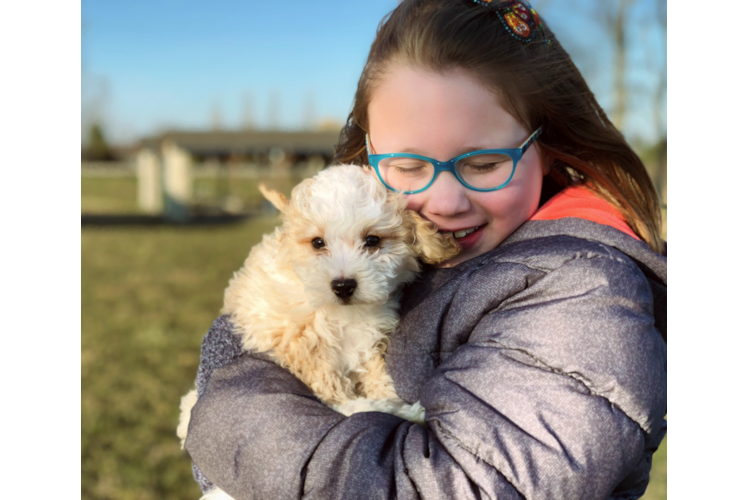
(520, 20)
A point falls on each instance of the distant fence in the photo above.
(107, 168)
(211, 189)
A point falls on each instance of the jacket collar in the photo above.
(652, 264)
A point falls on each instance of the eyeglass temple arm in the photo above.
(526, 145)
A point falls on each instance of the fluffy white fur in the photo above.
(216, 494)
(185, 409)
(282, 301)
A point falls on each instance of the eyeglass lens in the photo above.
(485, 171)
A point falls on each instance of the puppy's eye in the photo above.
(318, 243)
(371, 241)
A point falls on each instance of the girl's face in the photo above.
(442, 116)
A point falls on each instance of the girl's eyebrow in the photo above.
(468, 149)
(414, 151)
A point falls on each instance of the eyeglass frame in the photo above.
(449, 166)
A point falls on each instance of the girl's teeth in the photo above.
(464, 232)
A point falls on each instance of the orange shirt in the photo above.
(580, 202)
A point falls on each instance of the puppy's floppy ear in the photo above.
(428, 243)
(278, 200)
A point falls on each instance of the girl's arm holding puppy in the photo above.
(504, 410)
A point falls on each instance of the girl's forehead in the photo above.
(403, 82)
(434, 113)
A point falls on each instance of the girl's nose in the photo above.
(446, 196)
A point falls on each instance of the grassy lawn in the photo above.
(148, 297)
(657, 489)
(214, 189)
(101, 195)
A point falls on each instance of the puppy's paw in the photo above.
(216, 493)
(415, 413)
(185, 412)
(359, 405)
(394, 406)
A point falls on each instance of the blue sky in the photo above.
(148, 66)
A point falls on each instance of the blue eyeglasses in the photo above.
(483, 170)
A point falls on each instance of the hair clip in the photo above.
(520, 20)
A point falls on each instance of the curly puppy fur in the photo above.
(284, 300)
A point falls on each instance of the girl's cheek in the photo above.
(415, 202)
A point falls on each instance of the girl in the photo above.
(539, 351)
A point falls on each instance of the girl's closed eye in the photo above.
(411, 167)
(486, 164)
(482, 167)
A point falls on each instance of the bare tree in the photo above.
(636, 79)
(95, 95)
(615, 15)
(659, 103)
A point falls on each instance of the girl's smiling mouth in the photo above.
(462, 233)
(467, 237)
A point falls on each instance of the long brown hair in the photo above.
(536, 82)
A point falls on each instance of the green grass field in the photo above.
(657, 489)
(102, 195)
(147, 298)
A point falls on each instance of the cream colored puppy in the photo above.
(320, 294)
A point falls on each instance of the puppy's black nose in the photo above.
(344, 288)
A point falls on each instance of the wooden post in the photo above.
(177, 182)
(150, 196)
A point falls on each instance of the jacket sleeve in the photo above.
(557, 394)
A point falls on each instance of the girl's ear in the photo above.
(431, 246)
(278, 200)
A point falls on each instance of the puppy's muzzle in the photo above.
(344, 288)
